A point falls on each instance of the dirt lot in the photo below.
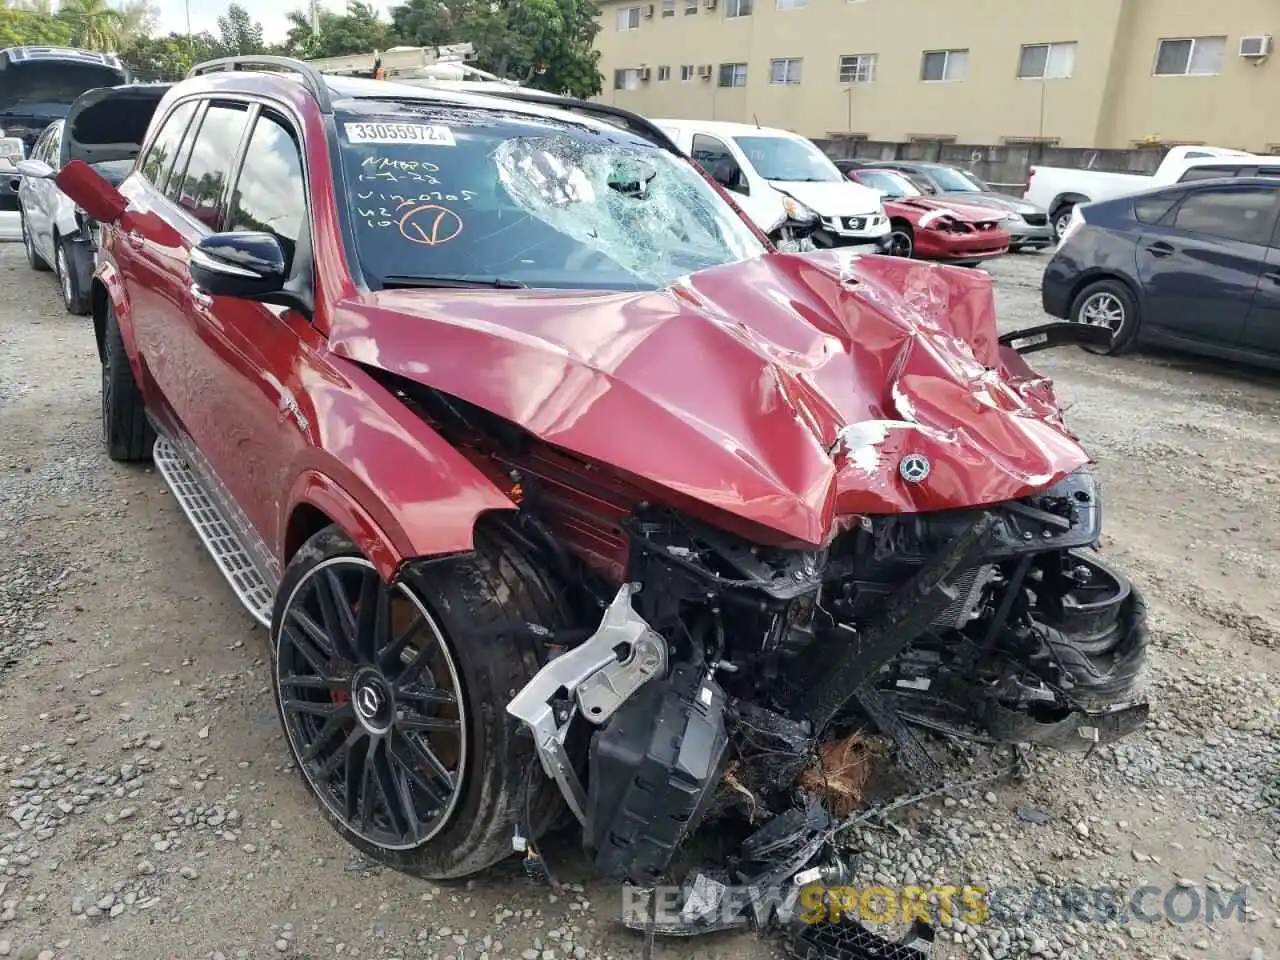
(148, 811)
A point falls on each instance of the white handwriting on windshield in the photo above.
(393, 170)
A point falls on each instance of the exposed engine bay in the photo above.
(710, 671)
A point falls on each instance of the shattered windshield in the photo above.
(48, 88)
(781, 158)
(471, 198)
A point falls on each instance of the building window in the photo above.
(629, 18)
(858, 68)
(738, 8)
(628, 79)
(785, 71)
(792, 4)
(668, 8)
(690, 7)
(733, 74)
(940, 65)
(686, 72)
(1047, 61)
(664, 73)
(1193, 57)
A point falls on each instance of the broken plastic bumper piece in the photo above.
(593, 679)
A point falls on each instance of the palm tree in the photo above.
(94, 25)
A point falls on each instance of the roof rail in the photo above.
(313, 79)
(631, 121)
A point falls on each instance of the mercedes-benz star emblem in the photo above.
(914, 467)
(367, 702)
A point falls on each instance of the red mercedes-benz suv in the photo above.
(561, 491)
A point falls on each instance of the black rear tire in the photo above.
(1124, 333)
(67, 268)
(34, 260)
(126, 430)
(478, 605)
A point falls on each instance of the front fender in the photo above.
(110, 288)
(394, 485)
(386, 549)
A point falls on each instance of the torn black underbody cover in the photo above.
(719, 669)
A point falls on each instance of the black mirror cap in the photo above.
(246, 265)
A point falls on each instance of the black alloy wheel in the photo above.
(371, 703)
(901, 243)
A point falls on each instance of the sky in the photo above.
(205, 13)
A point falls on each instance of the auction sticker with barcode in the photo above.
(399, 133)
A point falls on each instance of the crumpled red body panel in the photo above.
(780, 392)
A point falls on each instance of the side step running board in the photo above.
(217, 535)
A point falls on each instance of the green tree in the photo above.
(360, 30)
(238, 33)
(94, 25)
(169, 57)
(547, 44)
(19, 27)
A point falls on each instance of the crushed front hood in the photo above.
(782, 391)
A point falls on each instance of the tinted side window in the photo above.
(156, 164)
(1152, 209)
(270, 194)
(55, 145)
(714, 157)
(41, 150)
(1243, 213)
(214, 151)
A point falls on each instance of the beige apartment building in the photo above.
(1077, 73)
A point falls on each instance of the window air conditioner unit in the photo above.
(648, 12)
(704, 71)
(1255, 48)
(644, 73)
(709, 4)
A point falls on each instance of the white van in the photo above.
(777, 176)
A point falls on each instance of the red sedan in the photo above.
(933, 228)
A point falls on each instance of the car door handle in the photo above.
(1273, 276)
(199, 297)
(1160, 249)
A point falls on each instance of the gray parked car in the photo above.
(1028, 230)
(58, 234)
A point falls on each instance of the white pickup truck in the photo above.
(1061, 189)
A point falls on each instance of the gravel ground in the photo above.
(147, 809)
